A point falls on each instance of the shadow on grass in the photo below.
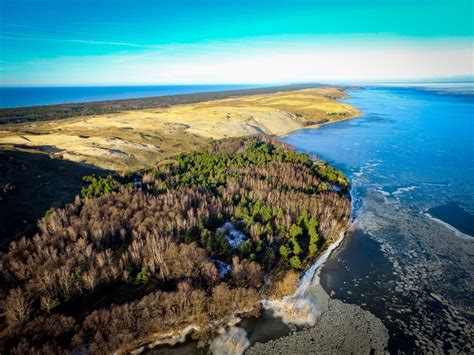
(30, 184)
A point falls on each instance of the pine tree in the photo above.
(295, 262)
(284, 251)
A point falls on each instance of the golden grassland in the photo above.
(131, 140)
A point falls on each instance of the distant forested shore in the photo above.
(195, 240)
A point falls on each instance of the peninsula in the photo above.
(226, 219)
(192, 242)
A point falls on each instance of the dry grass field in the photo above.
(135, 139)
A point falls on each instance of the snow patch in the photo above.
(223, 268)
(234, 237)
(170, 338)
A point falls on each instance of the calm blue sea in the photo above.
(32, 96)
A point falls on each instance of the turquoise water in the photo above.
(32, 96)
(414, 143)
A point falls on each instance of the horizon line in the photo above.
(461, 79)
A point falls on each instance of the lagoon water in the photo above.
(408, 260)
(414, 143)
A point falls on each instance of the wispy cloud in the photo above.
(17, 36)
(251, 61)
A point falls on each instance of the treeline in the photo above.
(140, 254)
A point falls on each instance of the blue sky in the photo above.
(120, 42)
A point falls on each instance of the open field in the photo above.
(134, 139)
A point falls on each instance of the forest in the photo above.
(194, 240)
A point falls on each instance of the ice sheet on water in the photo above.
(233, 341)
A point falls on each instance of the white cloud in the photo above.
(263, 60)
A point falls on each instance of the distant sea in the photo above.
(34, 96)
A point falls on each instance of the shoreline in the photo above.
(337, 328)
(292, 309)
(356, 337)
(357, 330)
(319, 125)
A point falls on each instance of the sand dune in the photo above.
(135, 139)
